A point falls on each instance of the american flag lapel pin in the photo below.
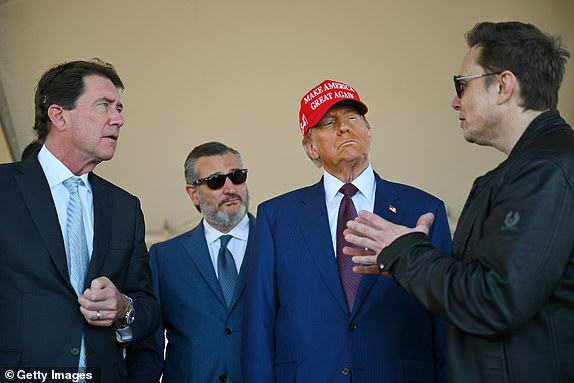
(393, 209)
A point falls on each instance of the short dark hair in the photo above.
(62, 84)
(31, 149)
(537, 59)
(205, 150)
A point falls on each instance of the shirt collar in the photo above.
(365, 182)
(56, 172)
(240, 231)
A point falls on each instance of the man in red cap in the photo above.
(308, 317)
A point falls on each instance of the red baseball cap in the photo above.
(318, 100)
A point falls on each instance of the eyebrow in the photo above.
(111, 101)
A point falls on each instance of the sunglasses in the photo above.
(217, 181)
(459, 85)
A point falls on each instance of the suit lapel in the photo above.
(242, 278)
(387, 205)
(312, 218)
(38, 199)
(103, 201)
(196, 248)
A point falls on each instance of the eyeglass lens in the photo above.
(458, 87)
(216, 182)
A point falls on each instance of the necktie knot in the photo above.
(348, 190)
(72, 184)
(225, 240)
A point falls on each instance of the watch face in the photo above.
(131, 316)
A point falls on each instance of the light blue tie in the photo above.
(77, 247)
(226, 269)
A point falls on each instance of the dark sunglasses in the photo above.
(459, 85)
(217, 181)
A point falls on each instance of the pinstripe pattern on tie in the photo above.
(77, 247)
(349, 279)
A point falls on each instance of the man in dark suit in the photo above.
(76, 283)
(199, 278)
(303, 321)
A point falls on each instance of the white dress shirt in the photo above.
(237, 245)
(56, 173)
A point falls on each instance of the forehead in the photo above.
(100, 86)
(209, 165)
(340, 108)
(470, 62)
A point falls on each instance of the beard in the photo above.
(217, 217)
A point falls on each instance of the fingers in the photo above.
(360, 252)
(425, 222)
(100, 304)
(367, 231)
(365, 260)
(101, 289)
(100, 318)
(100, 283)
(359, 239)
(366, 269)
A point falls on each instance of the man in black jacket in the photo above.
(507, 290)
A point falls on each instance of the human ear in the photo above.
(507, 86)
(56, 116)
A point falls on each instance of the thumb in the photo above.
(425, 222)
(100, 283)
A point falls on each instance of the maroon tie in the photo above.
(347, 212)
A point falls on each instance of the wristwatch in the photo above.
(122, 326)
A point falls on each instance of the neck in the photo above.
(348, 173)
(516, 125)
(70, 159)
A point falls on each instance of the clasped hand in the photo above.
(102, 304)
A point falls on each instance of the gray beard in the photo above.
(221, 218)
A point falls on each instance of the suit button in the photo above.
(352, 327)
(345, 371)
(75, 351)
(223, 378)
(228, 331)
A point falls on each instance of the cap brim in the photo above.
(361, 108)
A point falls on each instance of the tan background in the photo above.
(234, 71)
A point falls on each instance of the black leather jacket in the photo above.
(508, 289)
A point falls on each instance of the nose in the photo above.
(344, 126)
(116, 118)
(455, 104)
(229, 187)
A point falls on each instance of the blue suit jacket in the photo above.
(298, 327)
(204, 336)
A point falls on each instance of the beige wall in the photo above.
(234, 71)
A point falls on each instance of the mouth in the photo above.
(230, 200)
(112, 137)
(347, 142)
